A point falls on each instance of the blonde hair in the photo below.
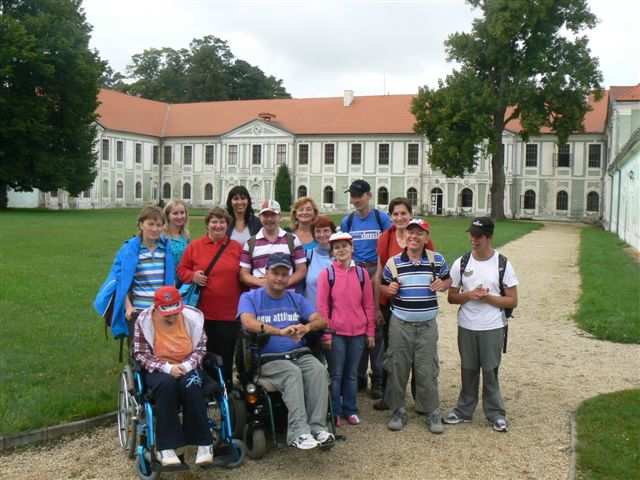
(169, 208)
(299, 203)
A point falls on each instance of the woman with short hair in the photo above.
(303, 213)
(220, 289)
(244, 224)
(318, 258)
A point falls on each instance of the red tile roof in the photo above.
(626, 94)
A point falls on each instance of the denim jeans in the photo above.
(344, 358)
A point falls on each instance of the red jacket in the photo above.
(219, 298)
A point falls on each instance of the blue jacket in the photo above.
(118, 283)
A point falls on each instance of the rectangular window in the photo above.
(531, 155)
(138, 153)
(187, 155)
(281, 154)
(120, 151)
(595, 155)
(356, 154)
(413, 154)
(167, 153)
(208, 155)
(329, 154)
(156, 154)
(564, 155)
(105, 149)
(256, 154)
(233, 155)
(383, 154)
(303, 154)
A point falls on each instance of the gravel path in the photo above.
(551, 367)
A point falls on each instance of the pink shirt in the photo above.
(353, 311)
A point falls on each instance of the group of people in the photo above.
(370, 288)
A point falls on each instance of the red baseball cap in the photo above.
(168, 301)
(418, 222)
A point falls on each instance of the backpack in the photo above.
(377, 215)
(394, 268)
(331, 276)
(502, 266)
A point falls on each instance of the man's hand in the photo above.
(129, 312)
(296, 331)
(477, 293)
(393, 288)
(438, 285)
(199, 278)
(177, 371)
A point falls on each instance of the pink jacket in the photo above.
(353, 311)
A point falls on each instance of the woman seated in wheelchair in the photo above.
(286, 362)
(169, 344)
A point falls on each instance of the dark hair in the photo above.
(217, 212)
(400, 201)
(241, 191)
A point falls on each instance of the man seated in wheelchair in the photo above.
(286, 360)
(169, 344)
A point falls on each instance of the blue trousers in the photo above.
(344, 358)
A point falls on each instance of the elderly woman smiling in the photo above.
(220, 291)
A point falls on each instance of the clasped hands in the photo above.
(296, 331)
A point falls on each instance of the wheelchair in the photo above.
(260, 414)
(136, 422)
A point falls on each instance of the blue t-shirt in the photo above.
(177, 246)
(290, 309)
(320, 260)
(365, 233)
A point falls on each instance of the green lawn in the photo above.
(55, 363)
(608, 426)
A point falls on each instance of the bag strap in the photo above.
(464, 261)
(432, 261)
(331, 278)
(291, 243)
(376, 212)
(252, 245)
(502, 267)
(350, 221)
(216, 258)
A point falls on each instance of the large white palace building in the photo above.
(147, 150)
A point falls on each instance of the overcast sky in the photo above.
(320, 49)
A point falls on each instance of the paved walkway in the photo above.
(551, 367)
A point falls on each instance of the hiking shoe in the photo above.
(168, 458)
(453, 418)
(324, 438)
(380, 405)
(398, 420)
(353, 419)
(204, 456)
(304, 442)
(434, 422)
(500, 424)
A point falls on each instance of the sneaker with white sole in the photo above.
(304, 442)
(500, 424)
(453, 418)
(398, 420)
(324, 438)
(168, 458)
(434, 423)
(204, 456)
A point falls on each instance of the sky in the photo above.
(321, 48)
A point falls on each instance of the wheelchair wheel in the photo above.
(127, 422)
(256, 441)
(238, 452)
(149, 475)
(238, 414)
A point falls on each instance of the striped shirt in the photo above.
(263, 249)
(149, 276)
(415, 301)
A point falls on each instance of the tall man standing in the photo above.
(483, 298)
(365, 225)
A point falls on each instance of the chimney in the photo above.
(348, 98)
(266, 116)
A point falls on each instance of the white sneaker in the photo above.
(324, 438)
(204, 455)
(304, 442)
(168, 458)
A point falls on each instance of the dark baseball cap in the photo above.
(481, 226)
(279, 260)
(359, 188)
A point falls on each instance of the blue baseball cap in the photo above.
(279, 260)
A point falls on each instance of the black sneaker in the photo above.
(500, 424)
(453, 418)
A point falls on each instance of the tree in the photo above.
(523, 60)
(283, 188)
(112, 79)
(48, 97)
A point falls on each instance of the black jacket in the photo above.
(254, 226)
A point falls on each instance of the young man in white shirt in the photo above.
(481, 323)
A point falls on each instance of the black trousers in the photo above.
(221, 340)
(169, 394)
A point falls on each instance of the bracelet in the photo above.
(262, 328)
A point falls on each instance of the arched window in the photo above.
(529, 200)
(186, 191)
(412, 196)
(383, 196)
(562, 201)
(119, 189)
(166, 190)
(302, 191)
(593, 202)
(208, 192)
(327, 196)
(466, 198)
(138, 190)
(105, 188)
